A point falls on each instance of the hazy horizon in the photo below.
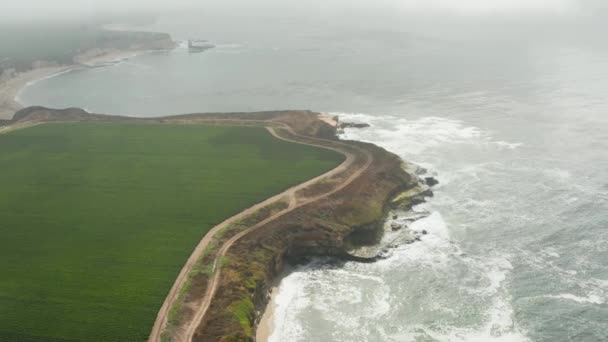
(489, 20)
(33, 10)
(502, 102)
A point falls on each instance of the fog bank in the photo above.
(31, 10)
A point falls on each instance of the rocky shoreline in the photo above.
(341, 226)
(391, 232)
(349, 223)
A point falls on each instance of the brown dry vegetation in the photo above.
(318, 228)
(252, 263)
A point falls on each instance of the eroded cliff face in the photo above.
(152, 41)
(321, 228)
(39, 114)
(74, 45)
(123, 41)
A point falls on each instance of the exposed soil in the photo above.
(246, 252)
(212, 285)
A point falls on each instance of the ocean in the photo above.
(511, 116)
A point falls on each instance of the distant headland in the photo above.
(68, 48)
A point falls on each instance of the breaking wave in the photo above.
(430, 290)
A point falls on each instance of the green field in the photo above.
(96, 219)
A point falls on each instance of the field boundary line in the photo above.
(213, 284)
(162, 316)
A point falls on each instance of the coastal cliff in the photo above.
(328, 216)
(69, 45)
(320, 228)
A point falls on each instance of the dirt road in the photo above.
(213, 283)
(289, 194)
(6, 129)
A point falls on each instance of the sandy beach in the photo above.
(10, 88)
(266, 325)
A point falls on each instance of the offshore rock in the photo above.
(431, 181)
(353, 125)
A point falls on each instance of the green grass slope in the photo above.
(97, 219)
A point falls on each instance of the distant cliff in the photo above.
(23, 49)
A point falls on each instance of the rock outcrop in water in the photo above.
(353, 125)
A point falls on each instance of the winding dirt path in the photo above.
(14, 127)
(290, 194)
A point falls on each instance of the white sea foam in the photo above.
(432, 130)
(30, 83)
(559, 175)
(288, 301)
(431, 278)
(421, 134)
(18, 98)
(496, 272)
(362, 287)
(370, 297)
(229, 46)
(499, 327)
(507, 145)
(436, 254)
(595, 291)
(571, 286)
(590, 299)
(434, 224)
(328, 295)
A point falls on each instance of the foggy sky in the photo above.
(31, 10)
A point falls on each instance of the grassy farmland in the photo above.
(96, 219)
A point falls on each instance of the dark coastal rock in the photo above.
(396, 226)
(415, 215)
(417, 200)
(411, 197)
(347, 226)
(353, 125)
(426, 193)
(424, 232)
(298, 260)
(431, 181)
(395, 217)
(38, 113)
(420, 171)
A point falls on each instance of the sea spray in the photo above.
(425, 290)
